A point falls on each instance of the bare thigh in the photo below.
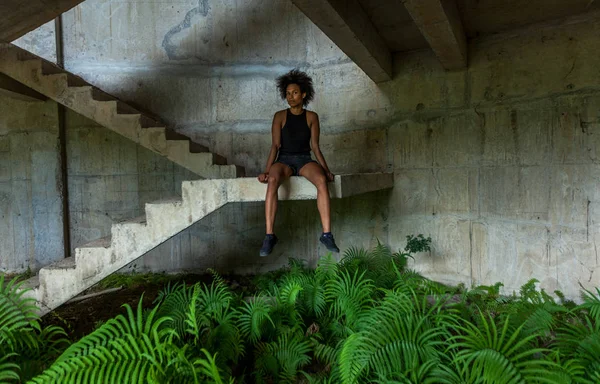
(280, 172)
(314, 173)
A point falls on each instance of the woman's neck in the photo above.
(296, 110)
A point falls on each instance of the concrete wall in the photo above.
(30, 189)
(40, 41)
(499, 164)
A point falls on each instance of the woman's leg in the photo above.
(277, 174)
(315, 174)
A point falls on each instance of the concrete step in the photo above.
(66, 263)
(75, 93)
(31, 283)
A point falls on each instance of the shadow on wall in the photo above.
(210, 45)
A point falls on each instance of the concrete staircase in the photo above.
(78, 95)
(58, 282)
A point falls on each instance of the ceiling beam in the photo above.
(349, 27)
(440, 24)
(14, 89)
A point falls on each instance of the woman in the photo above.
(294, 132)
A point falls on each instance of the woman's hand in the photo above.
(330, 176)
(263, 177)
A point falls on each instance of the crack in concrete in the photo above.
(587, 222)
(170, 47)
(572, 68)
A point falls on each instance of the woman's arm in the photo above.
(275, 144)
(315, 131)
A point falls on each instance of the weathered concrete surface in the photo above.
(41, 41)
(30, 192)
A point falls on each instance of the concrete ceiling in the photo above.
(21, 16)
(445, 26)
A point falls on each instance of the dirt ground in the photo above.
(82, 317)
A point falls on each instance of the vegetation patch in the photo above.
(365, 319)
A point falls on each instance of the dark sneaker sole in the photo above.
(336, 250)
(265, 253)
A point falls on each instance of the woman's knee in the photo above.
(273, 180)
(320, 181)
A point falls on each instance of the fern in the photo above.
(591, 303)
(211, 322)
(350, 296)
(500, 355)
(397, 340)
(252, 318)
(17, 312)
(125, 349)
(580, 342)
(208, 368)
(173, 302)
(8, 371)
(283, 358)
(25, 347)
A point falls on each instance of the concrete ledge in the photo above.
(298, 188)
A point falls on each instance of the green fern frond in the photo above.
(500, 355)
(312, 298)
(207, 367)
(253, 316)
(9, 371)
(283, 358)
(536, 318)
(288, 292)
(173, 303)
(327, 267)
(352, 364)
(591, 303)
(350, 296)
(17, 312)
(396, 339)
(130, 348)
(34, 358)
(225, 339)
(580, 342)
(213, 298)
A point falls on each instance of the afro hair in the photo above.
(296, 76)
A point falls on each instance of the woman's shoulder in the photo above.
(281, 113)
(310, 115)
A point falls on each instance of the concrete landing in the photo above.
(76, 94)
(58, 282)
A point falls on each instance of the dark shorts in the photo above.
(295, 162)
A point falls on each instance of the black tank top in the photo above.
(295, 135)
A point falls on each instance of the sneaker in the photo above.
(268, 244)
(327, 240)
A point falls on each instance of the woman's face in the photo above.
(294, 95)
